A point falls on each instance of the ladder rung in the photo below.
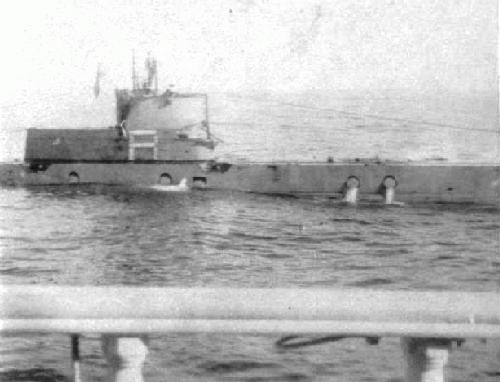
(142, 132)
(143, 144)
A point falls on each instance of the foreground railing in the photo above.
(427, 322)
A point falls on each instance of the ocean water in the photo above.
(388, 124)
(95, 235)
(103, 235)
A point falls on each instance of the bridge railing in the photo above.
(426, 321)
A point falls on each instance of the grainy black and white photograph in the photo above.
(249, 191)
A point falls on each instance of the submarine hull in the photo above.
(414, 182)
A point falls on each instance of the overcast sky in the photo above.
(444, 45)
(51, 50)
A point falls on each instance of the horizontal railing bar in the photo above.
(344, 311)
(340, 328)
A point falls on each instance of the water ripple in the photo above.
(123, 236)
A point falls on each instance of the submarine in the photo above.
(163, 138)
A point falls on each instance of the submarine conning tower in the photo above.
(167, 127)
(171, 127)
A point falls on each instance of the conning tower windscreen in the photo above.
(176, 112)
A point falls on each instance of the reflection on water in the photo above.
(96, 235)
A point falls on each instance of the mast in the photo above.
(156, 77)
(134, 75)
(207, 125)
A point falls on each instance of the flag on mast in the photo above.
(151, 68)
(97, 84)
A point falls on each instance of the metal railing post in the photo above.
(75, 357)
(425, 359)
(125, 357)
